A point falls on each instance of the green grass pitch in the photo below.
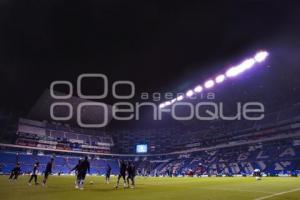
(230, 188)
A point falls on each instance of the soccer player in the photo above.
(15, 172)
(83, 168)
(34, 173)
(76, 173)
(107, 174)
(257, 174)
(122, 173)
(48, 171)
(131, 174)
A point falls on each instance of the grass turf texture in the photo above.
(154, 188)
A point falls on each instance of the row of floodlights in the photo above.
(231, 72)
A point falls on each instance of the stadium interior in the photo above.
(185, 76)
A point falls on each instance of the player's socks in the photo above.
(77, 184)
(81, 184)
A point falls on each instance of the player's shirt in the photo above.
(35, 169)
(131, 170)
(123, 168)
(108, 170)
(16, 169)
(83, 167)
(257, 173)
(48, 168)
(75, 168)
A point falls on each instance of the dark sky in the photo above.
(158, 45)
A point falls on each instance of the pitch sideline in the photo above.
(277, 194)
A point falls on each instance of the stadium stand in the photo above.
(164, 140)
(57, 136)
(272, 145)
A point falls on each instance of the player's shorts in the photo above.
(81, 176)
(107, 175)
(123, 175)
(47, 174)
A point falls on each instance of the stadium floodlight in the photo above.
(231, 72)
(247, 64)
(179, 98)
(189, 93)
(261, 56)
(162, 105)
(173, 101)
(198, 89)
(234, 71)
(220, 78)
(168, 103)
(209, 84)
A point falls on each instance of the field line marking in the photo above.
(238, 190)
(277, 194)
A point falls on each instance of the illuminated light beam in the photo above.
(168, 103)
(220, 78)
(245, 65)
(209, 84)
(198, 89)
(231, 72)
(162, 105)
(189, 93)
(180, 98)
(173, 101)
(261, 56)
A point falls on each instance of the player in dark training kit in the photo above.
(257, 174)
(107, 174)
(131, 174)
(83, 168)
(76, 172)
(15, 172)
(48, 171)
(122, 173)
(34, 174)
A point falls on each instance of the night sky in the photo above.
(159, 45)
